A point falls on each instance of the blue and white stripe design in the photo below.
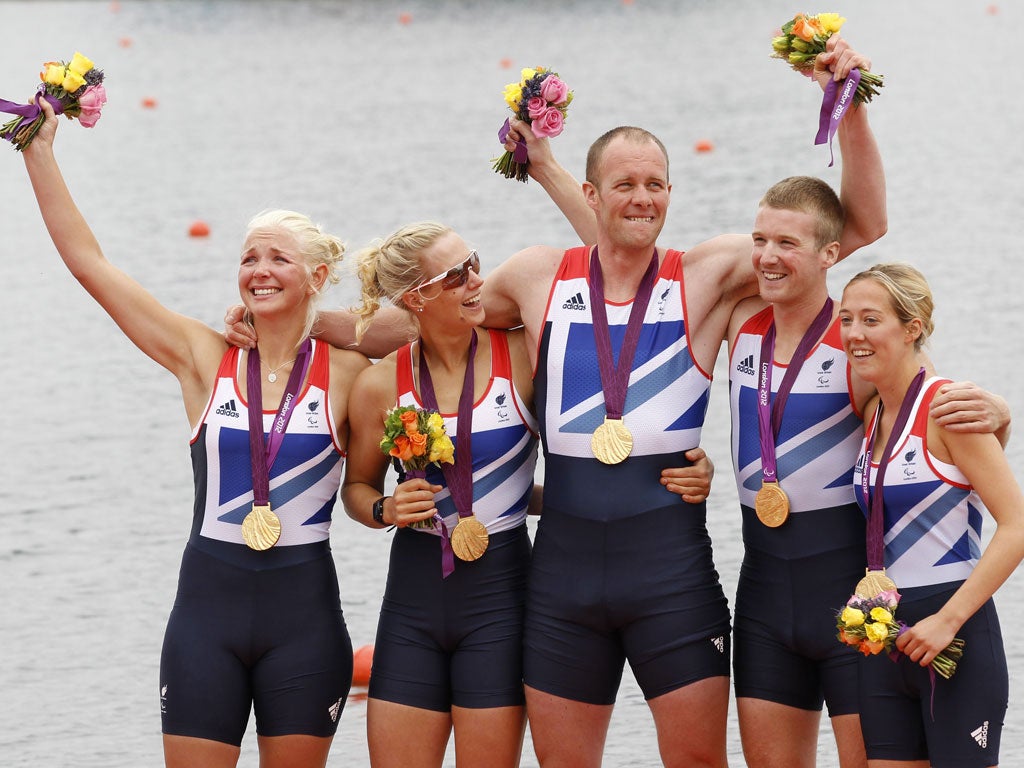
(504, 446)
(306, 474)
(933, 516)
(820, 434)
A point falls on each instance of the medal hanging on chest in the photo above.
(469, 539)
(771, 504)
(612, 441)
(261, 528)
(875, 581)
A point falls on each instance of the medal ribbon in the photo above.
(833, 109)
(263, 453)
(615, 378)
(769, 418)
(876, 527)
(459, 475)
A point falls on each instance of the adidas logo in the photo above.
(746, 365)
(719, 643)
(576, 302)
(334, 710)
(228, 409)
(980, 735)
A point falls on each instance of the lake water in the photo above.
(367, 115)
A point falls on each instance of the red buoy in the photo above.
(362, 661)
(199, 229)
(149, 102)
(704, 145)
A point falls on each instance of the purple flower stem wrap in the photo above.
(28, 112)
(447, 555)
(459, 475)
(521, 154)
(833, 109)
(769, 423)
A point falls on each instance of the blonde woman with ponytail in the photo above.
(448, 653)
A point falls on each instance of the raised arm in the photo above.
(862, 186)
(561, 186)
(173, 340)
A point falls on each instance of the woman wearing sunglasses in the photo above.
(448, 653)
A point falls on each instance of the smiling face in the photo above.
(459, 304)
(631, 193)
(273, 275)
(789, 264)
(877, 341)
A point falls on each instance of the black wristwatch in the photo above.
(378, 510)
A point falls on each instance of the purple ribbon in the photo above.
(876, 527)
(615, 378)
(833, 109)
(769, 418)
(459, 475)
(28, 112)
(263, 454)
(520, 155)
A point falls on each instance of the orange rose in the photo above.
(806, 28)
(418, 444)
(409, 421)
(869, 648)
(401, 450)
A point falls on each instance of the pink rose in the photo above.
(536, 107)
(549, 124)
(91, 103)
(554, 90)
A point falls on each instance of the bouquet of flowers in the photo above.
(74, 89)
(803, 38)
(416, 438)
(541, 99)
(869, 624)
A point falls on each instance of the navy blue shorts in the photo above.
(272, 640)
(784, 637)
(455, 641)
(956, 724)
(642, 589)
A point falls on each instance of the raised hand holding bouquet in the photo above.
(541, 99)
(74, 89)
(803, 39)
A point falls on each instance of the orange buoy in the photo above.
(704, 145)
(199, 229)
(992, 10)
(149, 102)
(506, 63)
(125, 42)
(405, 18)
(362, 661)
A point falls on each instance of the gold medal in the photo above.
(261, 528)
(611, 442)
(874, 583)
(771, 504)
(469, 539)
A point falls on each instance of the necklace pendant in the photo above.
(271, 377)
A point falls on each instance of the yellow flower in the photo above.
(435, 425)
(831, 22)
(852, 617)
(880, 614)
(442, 450)
(72, 82)
(80, 64)
(780, 44)
(876, 631)
(527, 74)
(513, 93)
(53, 73)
